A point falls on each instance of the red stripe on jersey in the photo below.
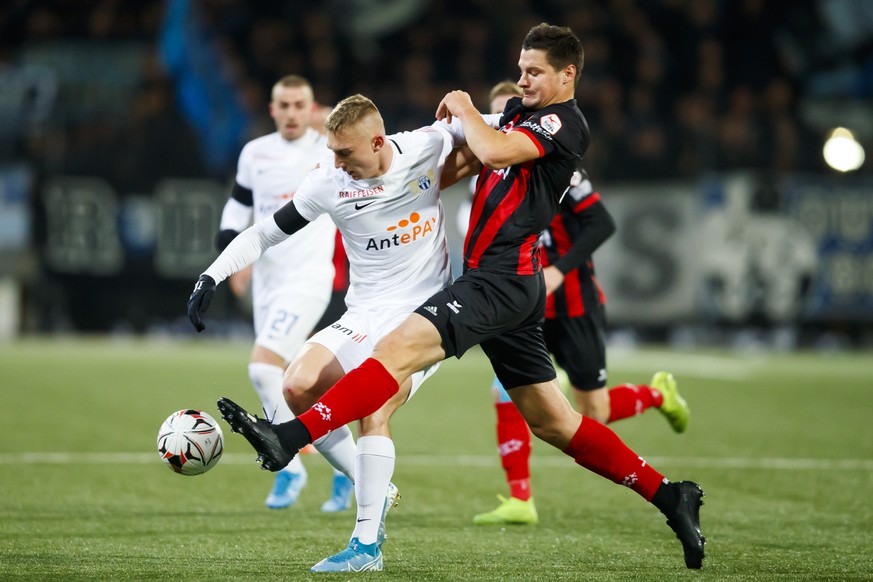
(573, 294)
(533, 139)
(526, 253)
(599, 289)
(511, 201)
(572, 285)
(550, 298)
(588, 201)
(479, 201)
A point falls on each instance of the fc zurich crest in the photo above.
(423, 183)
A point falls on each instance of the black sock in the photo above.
(666, 498)
(293, 435)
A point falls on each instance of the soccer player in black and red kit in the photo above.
(500, 299)
(574, 331)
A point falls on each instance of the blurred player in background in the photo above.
(575, 335)
(384, 195)
(290, 289)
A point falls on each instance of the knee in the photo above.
(598, 412)
(556, 429)
(549, 433)
(300, 390)
(594, 405)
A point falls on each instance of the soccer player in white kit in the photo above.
(290, 289)
(383, 194)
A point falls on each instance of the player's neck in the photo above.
(294, 139)
(386, 158)
(561, 97)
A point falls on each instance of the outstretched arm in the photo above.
(242, 251)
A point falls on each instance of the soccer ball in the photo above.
(190, 442)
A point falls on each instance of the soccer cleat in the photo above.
(340, 495)
(674, 407)
(512, 511)
(684, 520)
(357, 557)
(286, 489)
(392, 498)
(271, 455)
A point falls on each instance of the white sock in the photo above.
(267, 381)
(338, 448)
(374, 466)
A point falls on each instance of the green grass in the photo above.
(782, 444)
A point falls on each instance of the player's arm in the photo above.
(242, 251)
(235, 218)
(495, 149)
(597, 225)
(236, 215)
(460, 164)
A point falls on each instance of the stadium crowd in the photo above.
(671, 88)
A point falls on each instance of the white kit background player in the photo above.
(383, 194)
(290, 288)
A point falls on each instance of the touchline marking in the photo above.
(489, 461)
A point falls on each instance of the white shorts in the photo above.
(283, 324)
(352, 338)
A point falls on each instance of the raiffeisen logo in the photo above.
(412, 230)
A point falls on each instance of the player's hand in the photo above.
(454, 104)
(198, 303)
(554, 278)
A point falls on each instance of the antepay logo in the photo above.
(403, 233)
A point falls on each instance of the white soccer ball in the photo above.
(190, 442)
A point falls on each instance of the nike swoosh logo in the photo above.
(365, 519)
(359, 205)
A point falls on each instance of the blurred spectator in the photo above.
(670, 87)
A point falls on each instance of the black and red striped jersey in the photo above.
(582, 225)
(512, 206)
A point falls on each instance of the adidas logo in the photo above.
(431, 309)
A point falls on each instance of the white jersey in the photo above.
(393, 226)
(273, 168)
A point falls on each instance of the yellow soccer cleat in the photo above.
(512, 511)
(674, 407)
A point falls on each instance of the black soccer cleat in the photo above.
(271, 455)
(684, 520)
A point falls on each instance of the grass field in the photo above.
(782, 445)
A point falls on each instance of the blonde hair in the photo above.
(350, 111)
(504, 88)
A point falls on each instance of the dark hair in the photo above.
(562, 46)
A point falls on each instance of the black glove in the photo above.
(198, 303)
(223, 238)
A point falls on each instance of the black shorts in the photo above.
(579, 347)
(502, 313)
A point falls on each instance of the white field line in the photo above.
(489, 461)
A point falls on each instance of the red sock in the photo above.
(513, 442)
(629, 400)
(598, 449)
(359, 393)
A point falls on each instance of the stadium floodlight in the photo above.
(842, 152)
